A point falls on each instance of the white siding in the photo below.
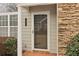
(26, 30)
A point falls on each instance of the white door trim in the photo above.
(48, 29)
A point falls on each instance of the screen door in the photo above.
(40, 31)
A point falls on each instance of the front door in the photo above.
(40, 31)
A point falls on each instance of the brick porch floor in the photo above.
(38, 53)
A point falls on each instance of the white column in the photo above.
(19, 41)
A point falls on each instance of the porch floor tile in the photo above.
(38, 53)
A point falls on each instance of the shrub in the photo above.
(73, 46)
(11, 46)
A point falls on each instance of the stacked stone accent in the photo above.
(68, 24)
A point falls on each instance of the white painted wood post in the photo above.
(19, 48)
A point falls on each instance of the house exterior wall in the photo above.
(68, 24)
(26, 30)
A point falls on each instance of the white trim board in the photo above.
(9, 13)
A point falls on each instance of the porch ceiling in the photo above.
(31, 4)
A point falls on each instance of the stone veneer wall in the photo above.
(68, 23)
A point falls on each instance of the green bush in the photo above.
(73, 46)
(11, 46)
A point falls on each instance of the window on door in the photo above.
(40, 31)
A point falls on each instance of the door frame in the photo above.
(48, 29)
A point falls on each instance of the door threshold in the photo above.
(40, 50)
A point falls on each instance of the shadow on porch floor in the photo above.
(38, 53)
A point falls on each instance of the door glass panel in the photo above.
(40, 31)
